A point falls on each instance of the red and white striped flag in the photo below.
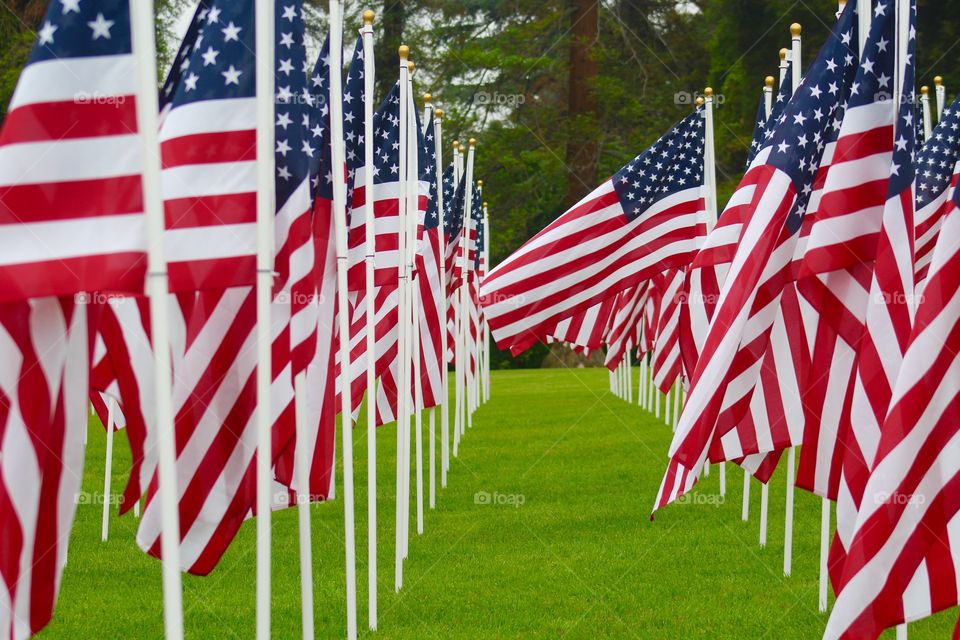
(647, 218)
(45, 355)
(71, 212)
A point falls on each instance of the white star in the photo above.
(799, 119)
(191, 81)
(286, 39)
(284, 95)
(290, 12)
(209, 56)
(70, 5)
(867, 65)
(213, 16)
(307, 149)
(901, 143)
(831, 65)
(782, 147)
(46, 33)
(230, 32)
(880, 10)
(101, 27)
(231, 76)
(286, 67)
(815, 91)
(882, 45)
(284, 173)
(283, 147)
(283, 120)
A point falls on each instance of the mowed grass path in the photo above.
(579, 558)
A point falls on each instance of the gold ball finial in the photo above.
(411, 66)
(484, 204)
(473, 142)
(938, 80)
(708, 92)
(795, 29)
(480, 183)
(427, 98)
(699, 101)
(403, 51)
(768, 81)
(462, 148)
(368, 16)
(924, 90)
(438, 113)
(783, 53)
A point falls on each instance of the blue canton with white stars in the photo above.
(353, 106)
(476, 219)
(812, 118)
(321, 165)
(386, 151)
(428, 166)
(78, 28)
(671, 164)
(938, 157)
(452, 203)
(764, 127)
(221, 60)
(294, 149)
(902, 169)
(182, 62)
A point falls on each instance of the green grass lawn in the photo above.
(579, 558)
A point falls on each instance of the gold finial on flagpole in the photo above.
(924, 90)
(938, 80)
(795, 29)
(708, 92)
(427, 98)
(768, 81)
(480, 183)
(404, 51)
(783, 53)
(438, 113)
(473, 142)
(368, 16)
(699, 101)
(410, 66)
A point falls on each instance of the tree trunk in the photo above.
(392, 21)
(582, 143)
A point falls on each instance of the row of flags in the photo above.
(76, 325)
(814, 316)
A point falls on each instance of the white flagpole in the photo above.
(369, 74)
(784, 63)
(629, 382)
(824, 552)
(464, 284)
(641, 381)
(340, 226)
(266, 212)
(108, 470)
(427, 111)
(486, 325)
(941, 96)
(676, 403)
(795, 30)
(478, 378)
(158, 290)
(710, 158)
(901, 96)
(458, 355)
(927, 117)
(445, 393)
(302, 466)
(403, 384)
(417, 406)
(764, 487)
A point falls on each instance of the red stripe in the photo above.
(70, 200)
(110, 273)
(218, 273)
(209, 148)
(210, 211)
(52, 121)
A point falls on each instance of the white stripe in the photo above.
(72, 238)
(211, 243)
(209, 116)
(70, 159)
(212, 179)
(68, 79)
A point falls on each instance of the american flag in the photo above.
(45, 351)
(667, 367)
(627, 322)
(71, 213)
(207, 144)
(587, 328)
(214, 383)
(646, 218)
(764, 125)
(938, 170)
(902, 563)
(780, 183)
